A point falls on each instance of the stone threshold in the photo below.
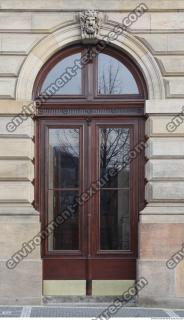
(50, 300)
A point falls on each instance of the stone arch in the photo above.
(70, 34)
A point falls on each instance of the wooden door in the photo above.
(91, 180)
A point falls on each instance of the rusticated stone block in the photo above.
(22, 285)
(160, 241)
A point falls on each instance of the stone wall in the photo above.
(161, 228)
(30, 32)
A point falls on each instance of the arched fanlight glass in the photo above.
(59, 81)
(106, 74)
(114, 77)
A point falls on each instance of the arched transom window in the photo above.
(79, 73)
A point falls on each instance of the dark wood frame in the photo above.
(90, 78)
(60, 110)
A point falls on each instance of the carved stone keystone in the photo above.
(90, 25)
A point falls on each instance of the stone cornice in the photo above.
(75, 5)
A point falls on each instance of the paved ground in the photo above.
(84, 310)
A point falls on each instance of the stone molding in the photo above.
(166, 213)
(71, 33)
(165, 107)
(117, 5)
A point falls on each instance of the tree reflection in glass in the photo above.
(114, 77)
(114, 194)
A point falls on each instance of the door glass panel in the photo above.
(114, 191)
(114, 151)
(63, 158)
(115, 224)
(63, 188)
(64, 78)
(114, 77)
(63, 210)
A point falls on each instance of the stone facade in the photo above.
(30, 33)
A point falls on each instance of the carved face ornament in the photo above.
(89, 22)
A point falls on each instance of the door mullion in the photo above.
(89, 133)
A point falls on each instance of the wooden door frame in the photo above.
(54, 263)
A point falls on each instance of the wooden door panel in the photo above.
(83, 269)
(64, 269)
(113, 269)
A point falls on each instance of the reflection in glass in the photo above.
(66, 234)
(114, 148)
(115, 223)
(63, 158)
(70, 80)
(114, 77)
(63, 185)
(114, 192)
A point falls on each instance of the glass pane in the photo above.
(114, 148)
(64, 78)
(63, 158)
(114, 77)
(63, 204)
(114, 220)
